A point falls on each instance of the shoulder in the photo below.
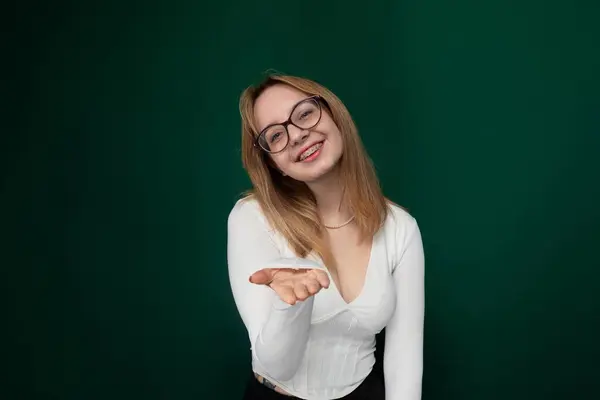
(400, 219)
(245, 205)
(246, 213)
(401, 230)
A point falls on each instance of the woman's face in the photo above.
(311, 152)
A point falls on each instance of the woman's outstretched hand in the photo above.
(292, 285)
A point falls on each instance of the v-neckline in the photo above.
(365, 281)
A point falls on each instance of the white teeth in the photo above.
(308, 152)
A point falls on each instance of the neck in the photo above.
(328, 192)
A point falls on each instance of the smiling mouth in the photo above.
(310, 151)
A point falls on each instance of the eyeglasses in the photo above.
(305, 115)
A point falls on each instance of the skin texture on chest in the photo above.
(351, 259)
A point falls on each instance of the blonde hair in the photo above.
(288, 205)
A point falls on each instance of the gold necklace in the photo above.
(341, 225)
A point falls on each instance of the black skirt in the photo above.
(371, 388)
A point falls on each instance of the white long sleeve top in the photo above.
(323, 347)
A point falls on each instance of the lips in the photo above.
(309, 149)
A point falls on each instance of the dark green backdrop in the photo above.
(121, 162)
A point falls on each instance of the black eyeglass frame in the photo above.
(318, 99)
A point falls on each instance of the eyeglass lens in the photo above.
(305, 115)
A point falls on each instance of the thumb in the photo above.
(262, 277)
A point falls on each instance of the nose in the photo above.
(297, 135)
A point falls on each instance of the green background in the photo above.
(121, 161)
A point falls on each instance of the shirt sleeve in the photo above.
(403, 357)
(278, 332)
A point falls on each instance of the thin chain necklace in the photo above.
(340, 225)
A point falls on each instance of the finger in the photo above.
(313, 286)
(286, 293)
(301, 291)
(322, 278)
(262, 277)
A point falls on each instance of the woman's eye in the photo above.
(275, 136)
(305, 114)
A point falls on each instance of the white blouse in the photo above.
(323, 348)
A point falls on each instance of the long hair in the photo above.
(288, 205)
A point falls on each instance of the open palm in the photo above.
(292, 285)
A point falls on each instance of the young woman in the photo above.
(319, 260)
